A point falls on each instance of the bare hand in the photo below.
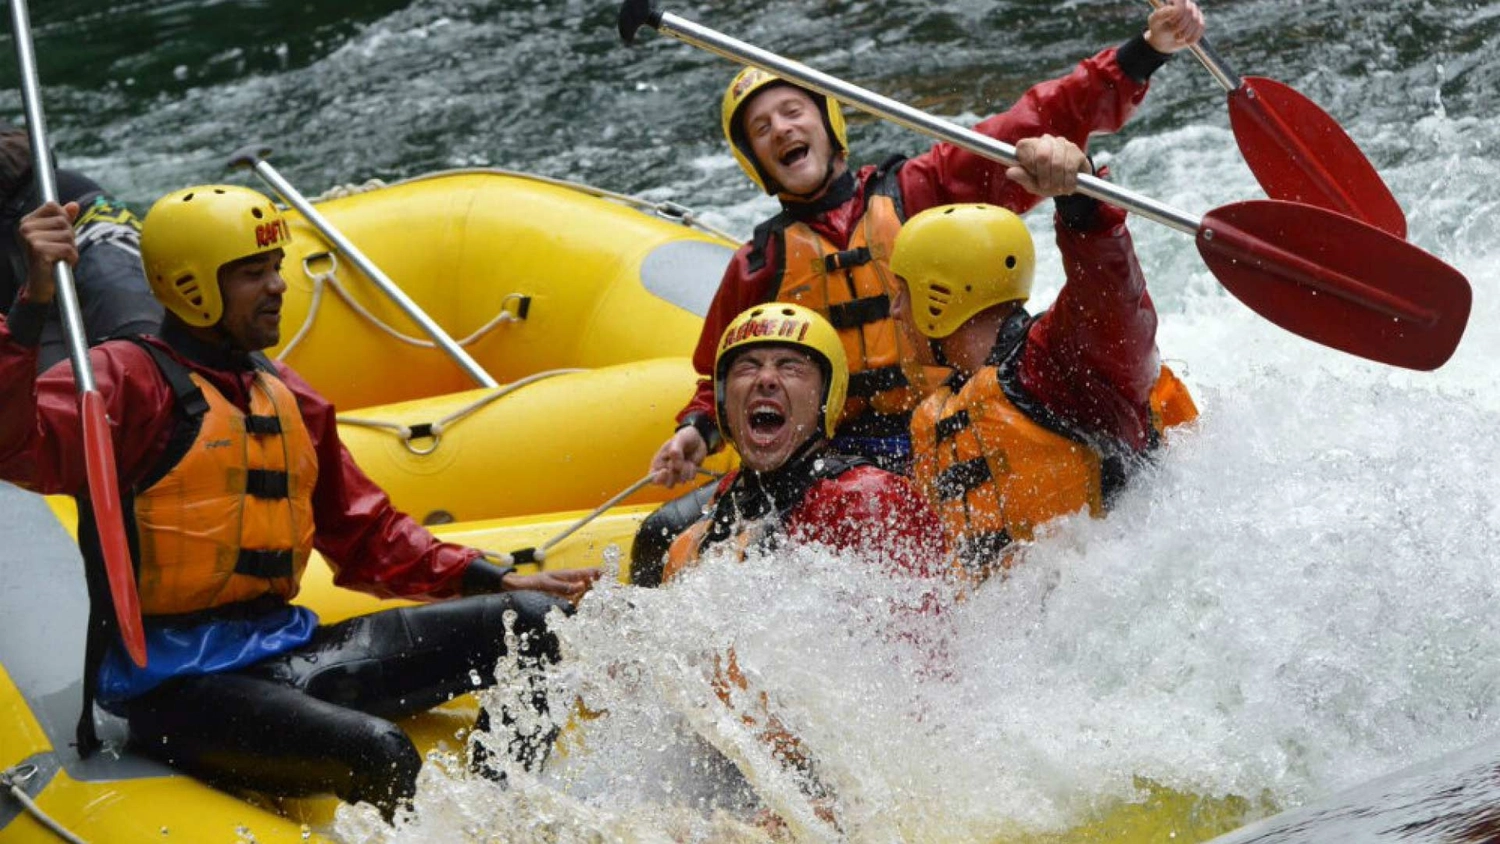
(46, 236)
(1174, 25)
(1049, 165)
(570, 584)
(678, 459)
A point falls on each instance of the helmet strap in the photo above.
(833, 192)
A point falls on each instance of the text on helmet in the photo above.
(780, 327)
(269, 234)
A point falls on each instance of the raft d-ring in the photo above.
(333, 264)
(423, 431)
(517, 314)
(18, 775)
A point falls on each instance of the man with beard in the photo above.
(232, 473)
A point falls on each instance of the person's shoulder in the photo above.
(292, 379)
(867, 486)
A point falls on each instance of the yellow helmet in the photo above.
(745, 85)
(785, 324)
(188, 235)
(959, 260)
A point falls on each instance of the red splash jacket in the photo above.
(372, 546)
(1099, 95)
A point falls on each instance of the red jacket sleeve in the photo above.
(41, 428)
(371, 545)
(1098, 96)
(1092, 357)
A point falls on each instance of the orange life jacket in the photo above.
(231, 519)
(891, 366)
(994, 473)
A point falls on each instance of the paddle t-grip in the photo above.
(633, 15)
(247, 156)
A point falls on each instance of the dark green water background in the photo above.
(150, 96)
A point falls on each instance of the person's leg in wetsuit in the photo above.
(648, 553)
(319, 718)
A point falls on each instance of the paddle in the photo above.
(253, 157)
(539, 555)
(98, 448)
(1321, 275)
(1297, 151)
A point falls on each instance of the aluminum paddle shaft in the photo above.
(98, 448)
(892, 110)
(253, 157)
(1325, 276)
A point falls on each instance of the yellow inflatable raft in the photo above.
(584, 309)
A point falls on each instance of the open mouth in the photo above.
(766, 422)
(793, 155)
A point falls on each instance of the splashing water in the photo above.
(1296, 598)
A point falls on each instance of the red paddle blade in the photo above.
(99, 456)
(1337, 281)
(1300, 154)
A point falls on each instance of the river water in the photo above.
(1298, 598)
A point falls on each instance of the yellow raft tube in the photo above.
(582, 308)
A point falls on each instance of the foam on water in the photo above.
(1297, 597)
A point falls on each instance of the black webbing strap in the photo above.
(857, 312)
(980, 551)
(949, 426)
(865, 384)
(959, 478)
(102, 627)
(846, 259)
(266, 483)
(264, 564)
(262, 425)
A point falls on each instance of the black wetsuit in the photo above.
(319, 718)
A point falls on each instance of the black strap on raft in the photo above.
(866, 384)
(857, 312)
(523, 556)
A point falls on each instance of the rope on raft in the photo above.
(329, 279)
(435, 430)
(12, 780)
